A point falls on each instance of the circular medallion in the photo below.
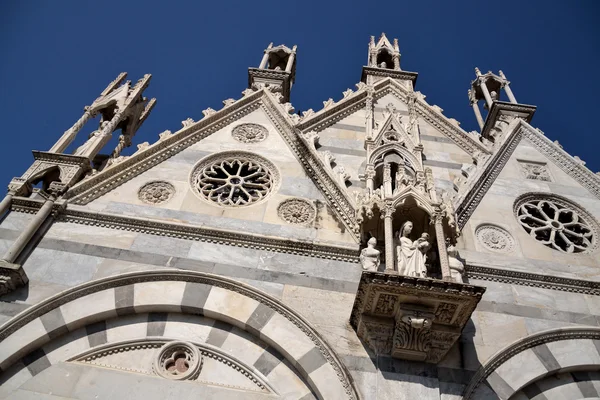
(234, 178)
(557, 223)
(296, 211)
(157, 192)
(178, 361)
(494, 238)
(249, 133)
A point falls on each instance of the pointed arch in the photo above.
(422, 201)
(185, 292)
(395, 147)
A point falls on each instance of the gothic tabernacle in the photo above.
(371, 249)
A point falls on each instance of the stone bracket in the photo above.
(502, 108)
(12, 276)
(412, 318)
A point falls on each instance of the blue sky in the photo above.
(57, 56)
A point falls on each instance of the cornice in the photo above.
(211, 235)
(340, 110)
(499, 108)
(486, 273)
(562, 159)
(528, 342)
(65, 159)
(97, 185)
(389, 73)
(466, 204)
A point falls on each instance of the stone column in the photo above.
(263, 63)
(486, 93)
(510, 94)
(67, 138)
(477, 112)
(397, 62)
(18, 245)
(97, 142)
(441, 242)
(5, 204)
(390, 265)
(290, 62)
(370, 175)
(387, 180)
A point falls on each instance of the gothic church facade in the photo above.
(371, 249)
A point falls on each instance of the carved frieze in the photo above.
(412, 318)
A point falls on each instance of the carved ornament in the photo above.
(249, 133)
(157, 192)
(494, 238)
(297, 211)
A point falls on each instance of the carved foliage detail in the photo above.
(296, 211)
(495, 238)
(157, 192)
(249, 133)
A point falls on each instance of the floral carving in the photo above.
(495, 238)
(157, 192)
(234, 178)
(536, 171)
(296, 211)
(557, 223)
(178, 361)
(249, 133)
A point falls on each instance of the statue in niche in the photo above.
(94, 137)
(457, 268)
(411, 255)
(370, 256)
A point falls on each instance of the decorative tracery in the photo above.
(234, 179)
(557, 224)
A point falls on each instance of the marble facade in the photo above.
(234, 257)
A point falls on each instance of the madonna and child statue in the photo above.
(410, 255)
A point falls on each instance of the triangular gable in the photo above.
(172, 144)
(468, 201)
(392, 130)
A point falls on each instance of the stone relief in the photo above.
(178, 361)
(535, 171)
(234, 179)
(249, 133)
(411, 255)
(556, 223)
(296, 211)
(494, 238)
(157, 192)
(370, 257)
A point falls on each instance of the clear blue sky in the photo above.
(58, 55)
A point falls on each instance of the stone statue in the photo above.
(369, 256)
(411, 255)
(95, 137)
(456, 266)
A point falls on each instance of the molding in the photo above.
(389, 73)
(500, 108)
(340, 110)
(466, 204)
(486, 273)
(536, 339)
(562, 159)
(69, 295)
(211, 235)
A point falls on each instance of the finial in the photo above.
(383, 35)
(372, 43)
(502, 74)
(396, 45)
(477, 71)
(270, 45)
(294, 48)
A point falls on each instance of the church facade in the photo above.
(372, 249)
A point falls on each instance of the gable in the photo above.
(186, 205)
(529, 170)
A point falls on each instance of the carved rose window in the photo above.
(234, 179)
(157, 192)
(296, 211)
(557, 223)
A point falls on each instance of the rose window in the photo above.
(557, 224)
(234, 179)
